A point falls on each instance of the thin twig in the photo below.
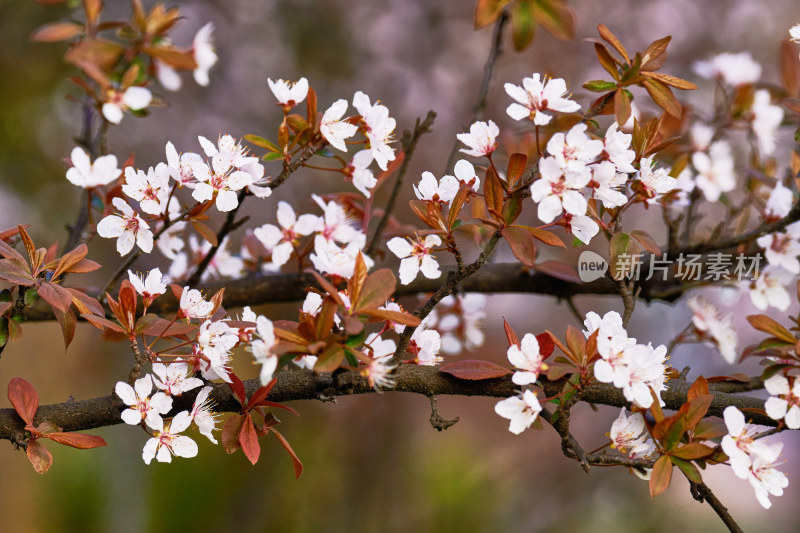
(701, 492)
(409, 145)
(452, 280)
(488, 72)
(231, 224)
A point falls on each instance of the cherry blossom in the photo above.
(358, 171)
(574, 150)
(733, 69)
(481, 139)
(538, 95)
(424, 346)
(153, 285)
(616, 148)
(261, 349)
(127, 227)
(769, 289)
(167, 440)
(430, 189)
(415, 257)
(379, 128)
(556, 192)
(606, 182)
(528, 359)
(629, 436)
(785, 400)
(336, 225)
(141, 405)
(167, 76)
(521, 410)
(181, 167)
(766, 119)
(780, 201)
(334, 129)
(215, 338)
(203, 415)
(281, 240)
(765, 479)
(330, 258)
(175, 379)
(378, 371)
(782, 248)
(150, 189)
(192, 304)
(86, 174)
(708, 320)
(654, 181)
(289, 94)
(204, 54)
(465, 173)
(739, 444)
(459, 319)
(715, 170)
(794, 33)
(132, 98)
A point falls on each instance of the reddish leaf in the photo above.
(474, 370)
(15, 271)
(698, 388)
(693, 450)
(556, 17)
(611, 39)
(85, 303)
(57, 296)
(330, 358)
(516, 166)
(77, 440)
(738, 376)
(661, 476)
(378, 287)
(647, 242)
(356, 282)
(397, 317)
(487, 12)
(172, 57)
(205, 232)
(521, 243)
(511, 335)
(68, 323)
(546, 344)
(56, 31)
(248, 440)
(261, 394)
(230, 433)
(237, 386)
(39, 456)
(298, 466)
(4, 306)
(24, 399)
(327, 287)
(102, 323)
(768, 325)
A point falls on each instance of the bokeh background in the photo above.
(372, 463)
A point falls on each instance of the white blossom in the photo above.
(289, 94)
(521, 410)
(141, 406)
(204, 54)
(415, 257)
(86, 174)
(127, 227)
(334, 129)
(481, 139)
(167, 440)
(537, 96)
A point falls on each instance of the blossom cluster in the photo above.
(634, 368)
(753, 459)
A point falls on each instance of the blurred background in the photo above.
(371, 463)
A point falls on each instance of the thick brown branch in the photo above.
(307, 385)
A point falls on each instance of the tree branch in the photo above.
(308, 385)
(702, 493)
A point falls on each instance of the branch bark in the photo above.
(307, 385)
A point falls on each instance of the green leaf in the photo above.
(522, 24)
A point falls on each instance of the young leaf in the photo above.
(511, 335)
(24, 398)
(39, 456)
(298, 466)
(521, 243)
(77, 440)
(248, 439)
(661, 476)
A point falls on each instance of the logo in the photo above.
(591, 266)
